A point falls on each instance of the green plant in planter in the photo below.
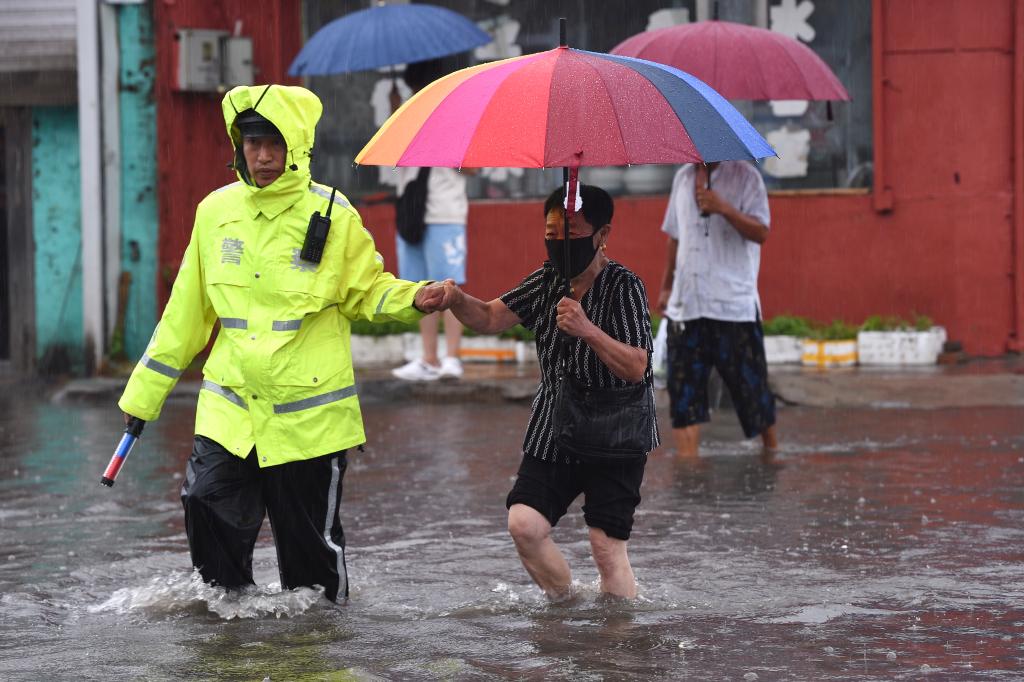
(891, 323)
(787, 325)
(836, 331)
(878, 323)
(923, 323)
(366, 328)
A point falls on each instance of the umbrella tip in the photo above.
(562, 40)
(715, 11)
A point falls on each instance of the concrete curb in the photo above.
(898, 390)
(373, 389)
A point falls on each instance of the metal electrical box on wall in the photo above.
(210, 60)
(236, 53)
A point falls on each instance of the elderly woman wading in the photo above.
(601, 337)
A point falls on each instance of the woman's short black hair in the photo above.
(598, 206)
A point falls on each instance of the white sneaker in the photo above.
(417, 370)
(451, 368)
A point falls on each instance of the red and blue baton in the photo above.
(132, 431)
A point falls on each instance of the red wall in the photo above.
(944, 145)
(192, 146)
(947, 133)
(828, 257)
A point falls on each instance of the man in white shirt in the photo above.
(709, 298)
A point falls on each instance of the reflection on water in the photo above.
(875, 545)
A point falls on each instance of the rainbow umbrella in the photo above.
(567, 108)
(564, 107)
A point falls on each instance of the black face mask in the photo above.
(581, 253)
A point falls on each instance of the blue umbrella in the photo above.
(386, 35)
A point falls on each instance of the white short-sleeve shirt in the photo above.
(716, 267)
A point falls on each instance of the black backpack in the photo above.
(411, 209)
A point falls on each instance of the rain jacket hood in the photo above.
(295, 111)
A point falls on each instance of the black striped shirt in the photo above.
(616, 302)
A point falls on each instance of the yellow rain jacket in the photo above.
(280, 373)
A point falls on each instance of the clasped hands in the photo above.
(438, 296)
(435, 297)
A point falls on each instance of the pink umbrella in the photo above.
(739, 61)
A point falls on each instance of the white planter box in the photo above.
(473, 348)
(781, 350)
(526, 352)
(369, 351)
(487, 349)
(901, 347)
(829, 353)
(397, 349)
(412, 346)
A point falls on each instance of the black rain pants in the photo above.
(225, 498)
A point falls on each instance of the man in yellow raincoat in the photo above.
(278, 406)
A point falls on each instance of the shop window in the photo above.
(816, 153)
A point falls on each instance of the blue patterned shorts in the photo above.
(736, 350)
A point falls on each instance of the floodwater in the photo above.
(879, 545)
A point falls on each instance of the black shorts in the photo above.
(611, 491)
(736, 350)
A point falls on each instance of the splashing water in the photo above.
(184, 593)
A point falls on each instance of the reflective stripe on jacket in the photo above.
(280, 373)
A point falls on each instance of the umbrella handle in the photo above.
(705, 214)
(571, 177)
(394, 96)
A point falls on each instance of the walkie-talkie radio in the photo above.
(316, 233)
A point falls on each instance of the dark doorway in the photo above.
(17, 289)
(5, 288)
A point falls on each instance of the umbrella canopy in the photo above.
(385, 35)
(564, 107)
(739, 61)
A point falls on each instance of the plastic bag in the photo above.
(660, 359)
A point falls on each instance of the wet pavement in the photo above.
(882, 543)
